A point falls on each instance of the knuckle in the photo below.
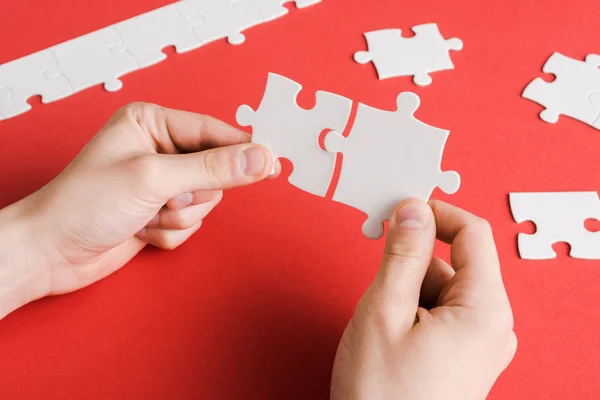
(181, 221)
(379, 308)
(405, 251)
(168, 242)
(144, 172)
(374, 313)
(499, 325)
(132, 110)
(147, 115)
(482, 226)
(212, 166)
(145, 169)
(139, 109)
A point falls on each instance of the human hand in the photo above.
(151, 175)
(453, 347)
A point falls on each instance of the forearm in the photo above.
(20, 260)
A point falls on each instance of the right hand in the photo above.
(426, 330)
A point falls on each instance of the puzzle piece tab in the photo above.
(273, 9)
(291, 132)
(214, 20)
(575, 92)
(395, 55)
(559, 217)
(145, 35)
(87, 61)
(23, 78)
(389, 156)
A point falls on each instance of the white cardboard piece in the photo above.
(23, 78)
(575, 92)
(273, 9)
(87, 61)
(291, 132)
(559, 217)
(105, 55)
(418, 56)
(388, 157)
(213, 20)
(145, 35)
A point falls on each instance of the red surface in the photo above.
(254, 304)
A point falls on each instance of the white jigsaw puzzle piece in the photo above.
(23, 78)
(594, 60)
(559, 217)
(291, 132)
(273, 9)
(394, 55)
(87, 61)
(145, 35)
(213, 20)
(381, 44)
(575, 92)
(388, 157)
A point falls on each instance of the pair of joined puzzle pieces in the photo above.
(101, 57)
(389, 156)
(559, 217)
(394, 55)
(575, 92)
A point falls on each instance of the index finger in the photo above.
(473, 252)
(173, 131)
(192, 132)
(189, 132)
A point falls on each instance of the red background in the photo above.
(254, 304)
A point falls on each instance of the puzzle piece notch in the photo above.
(559, 217)
(87, 61)
(574, 92)
(213, 20)
(5, 93)
(273, 9)
(593, 60)
(429, 36)
(379, 43)
(146, 35)
(292, 132)
(395, 55)
(25, 77)
(388, 157)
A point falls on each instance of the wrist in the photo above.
(21, 260)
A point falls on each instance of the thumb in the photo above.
(214, 169)
(407, 255)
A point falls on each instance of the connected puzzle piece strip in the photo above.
(101, 57)
(34, 78)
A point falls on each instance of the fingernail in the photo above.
(253, 161)
(413, 215)
(183, 200)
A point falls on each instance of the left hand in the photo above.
(151, 175)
